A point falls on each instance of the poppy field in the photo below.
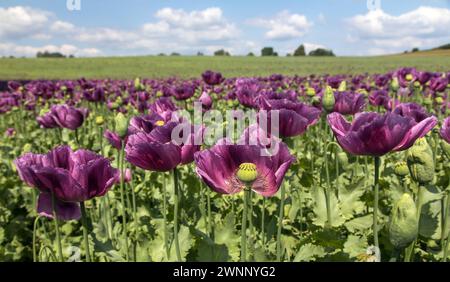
(291, 168)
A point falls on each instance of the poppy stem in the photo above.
(445, 237)
(280, 222)
(166, 231)
(175, 212)
(208, 202)
(263, 214)
(56, 223)
(244, 226)
(85, 231)
(375, 201)
(409, 254)
(35, 226)
(327, 190)
(122, 197)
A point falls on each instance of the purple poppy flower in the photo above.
(183, 92)
(162, 106)
(72, 177)
(65, 116)
(10, 132)
(156, 151)
(47, 121)
(349, 103)
(114, 139)
(218, 167)
(376, 135)
(445, 130)
(412, 110)
(439, 84)
(294, 117)
(380, 98)
(212, 78)
(247, 90)
(206, 101)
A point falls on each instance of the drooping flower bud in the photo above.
(420, 162)
(137, 84)
(342, 159)
(121, 125)
(403, 227)
(328, 99)
(401, 169)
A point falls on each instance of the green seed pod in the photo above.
(401, 169)
(342, 86)
(247, 172)
(445, 147)
(403, 227)
(328, 99)
(121, 125)
(342, 159)
(420, 162)
(417, 84)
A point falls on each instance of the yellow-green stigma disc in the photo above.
(159, 123)
(247, 172)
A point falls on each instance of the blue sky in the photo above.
(138, 27)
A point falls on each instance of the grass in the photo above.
(186, 67)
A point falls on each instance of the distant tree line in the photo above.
(47, 54)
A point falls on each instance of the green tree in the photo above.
(300, 51)
(320, 52)
(268, 51)
(221, 52)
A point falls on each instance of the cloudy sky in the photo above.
(138, 27)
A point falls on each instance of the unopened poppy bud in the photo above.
(439, 100)
(114, 106)
(121, 125)
(403, 227)
(401, 169)
(287, 208)
(394, 84)
(342, 159)
(99, 120)
(137, 84)
(445, 147)
(315, 101)
(311, 92)
(427, 101)
(342, 86)
(420, 162)
(328, 99)
(247, 172)
(26, 148)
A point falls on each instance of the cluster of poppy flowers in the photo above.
(70, 177)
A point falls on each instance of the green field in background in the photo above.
(187, 67)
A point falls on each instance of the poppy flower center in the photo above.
(247, 172)
(409, 77)
(159, 123)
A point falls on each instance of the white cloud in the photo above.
(62, 27)
(8, 49)
(422, 27)
(18, 22)
(284, 26)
